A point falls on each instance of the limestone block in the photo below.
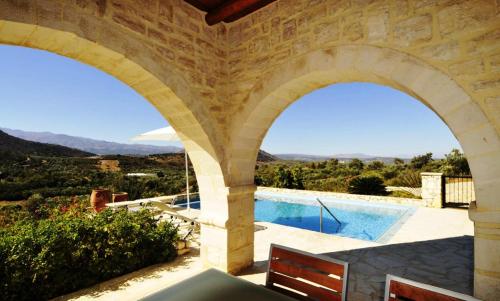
(465, 117)
(486, 287)
(413, 30)
(486, 192)
(465, 16)
(95, 7)
(469, 67)
(289, 29)
(20, 11)
(15, 33)
(443, 52)
(486, 260)
(378, 27)
(485, 85)
(485, 167)
(353, 32)
(480, 140)
(484, 43)
(493, 106)
(327, 31)
(495, 63)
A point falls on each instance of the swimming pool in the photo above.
(358, 219)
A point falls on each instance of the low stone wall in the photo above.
(346, 196)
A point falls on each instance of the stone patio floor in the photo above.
(434, 246)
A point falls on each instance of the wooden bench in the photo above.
(397, 288)
(305, 276)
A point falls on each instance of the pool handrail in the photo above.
(329, 212)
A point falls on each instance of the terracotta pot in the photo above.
(99, 198)
(120, 197)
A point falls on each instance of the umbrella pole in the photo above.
(187, 177)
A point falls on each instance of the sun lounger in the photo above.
(397, 288)
(305, 276)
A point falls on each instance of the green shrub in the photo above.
(42, 259)
(330, 184)
(371, 185)
(288, 177)
(407, 178)
(10, 214)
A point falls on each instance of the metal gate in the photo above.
(457, 191)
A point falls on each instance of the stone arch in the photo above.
(287, 82)
(163, 87)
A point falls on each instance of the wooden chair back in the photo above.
(397, 288)
(305, 276)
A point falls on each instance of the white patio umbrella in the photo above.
(166, 134)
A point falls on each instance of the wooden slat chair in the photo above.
(397, 288)
(305, 276)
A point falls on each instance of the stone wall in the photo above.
(432, 193)
(459, 38)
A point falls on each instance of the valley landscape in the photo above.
(53, 169)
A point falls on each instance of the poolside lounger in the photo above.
(397, 288)
(325, 277)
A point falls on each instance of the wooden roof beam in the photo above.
(231, 8)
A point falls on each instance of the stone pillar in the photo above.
(486, 253)
(432, 194)
(227, 229)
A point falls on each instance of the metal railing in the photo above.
(321, 215)
(457, 191)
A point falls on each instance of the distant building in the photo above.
(141, 174)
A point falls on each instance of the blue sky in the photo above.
(40, 91)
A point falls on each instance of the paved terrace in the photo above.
(433, 246)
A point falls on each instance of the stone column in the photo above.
(431, 189)
(486, 253)
(227, 229)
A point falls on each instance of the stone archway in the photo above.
(167, 91)
(170, 96)
(273, 93)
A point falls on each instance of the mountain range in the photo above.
(341, 157)
(17, 146)
(98, 147)
(101, 147)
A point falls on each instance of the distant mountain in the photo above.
(99, 147)
(354, 155)
(302, 157)
(341, 157)
(266, 157)
(18, 146)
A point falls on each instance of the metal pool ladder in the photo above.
(321, 215)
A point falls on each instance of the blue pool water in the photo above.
(358, 219)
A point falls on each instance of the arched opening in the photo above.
(381, 66)
(168, 92)
(342, 141)
(170, 95)
(52, 99)
(357, 63)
